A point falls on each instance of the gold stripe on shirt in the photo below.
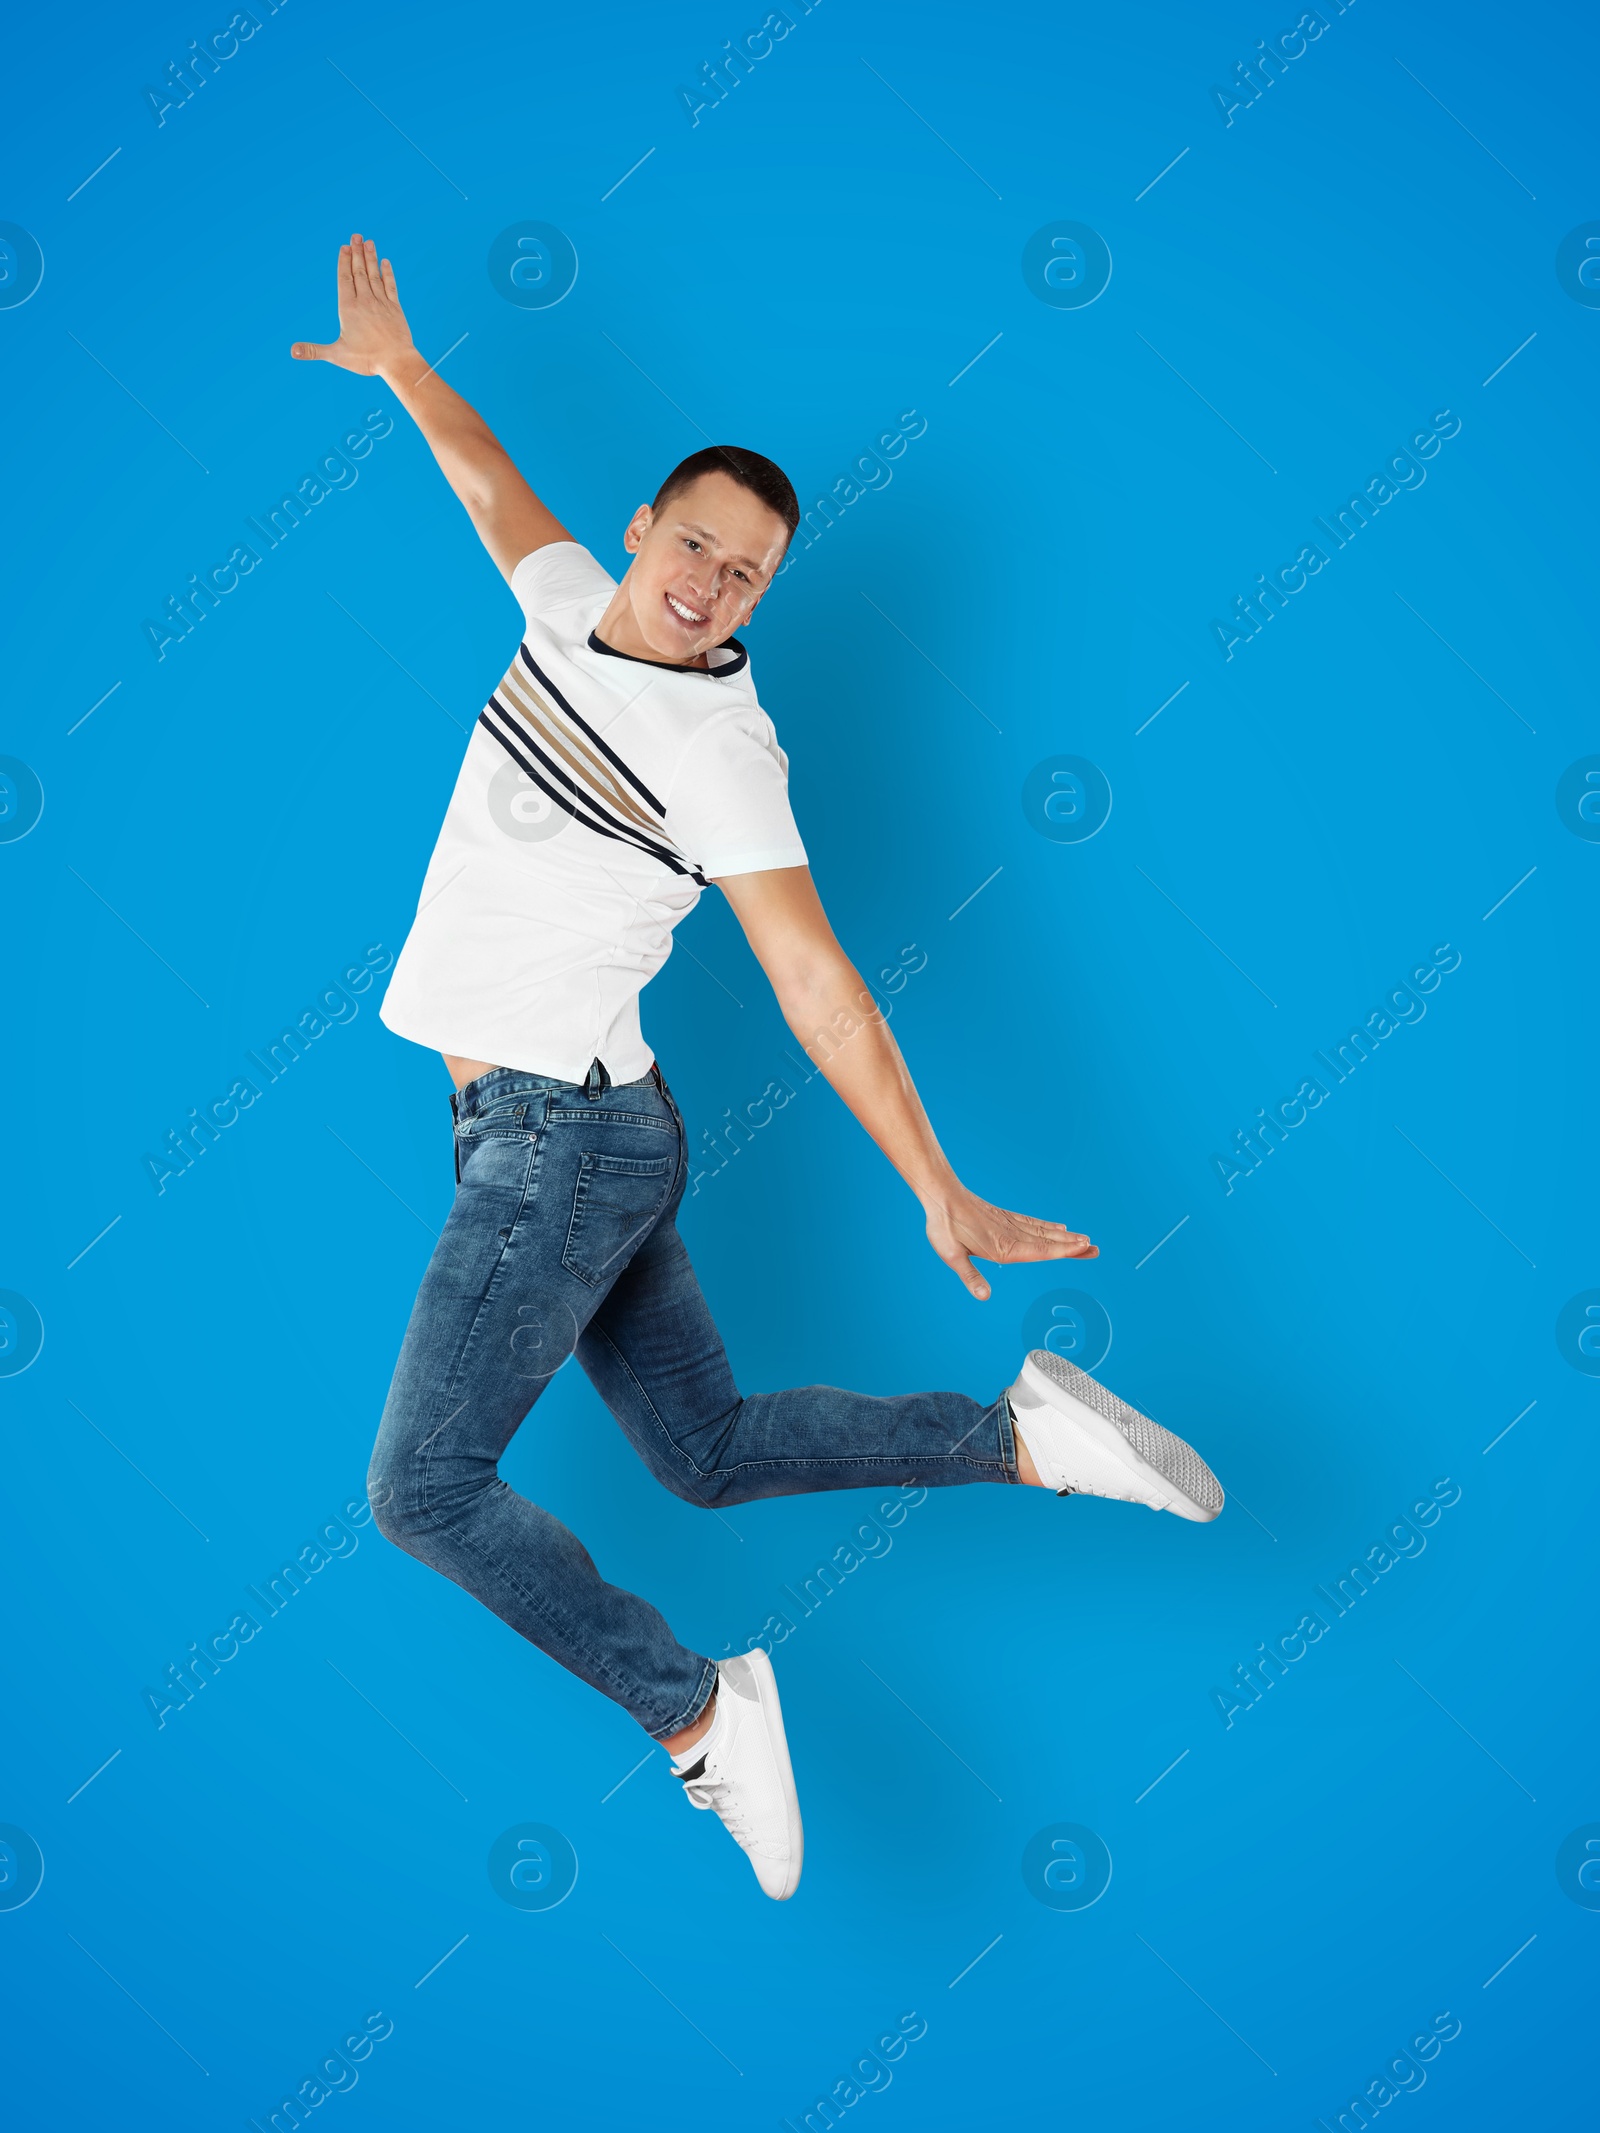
(573, 751)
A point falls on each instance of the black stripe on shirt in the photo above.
(614, 824)
(605, 749)
(621, 834)
(521, 730)
(541, 720)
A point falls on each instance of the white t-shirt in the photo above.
(598, 796)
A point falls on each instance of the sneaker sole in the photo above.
(1150, 1452)
(772, 1718)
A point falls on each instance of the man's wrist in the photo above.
(402, 371)
(938, 1191)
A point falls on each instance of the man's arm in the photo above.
(831, 1011)
(375, 340)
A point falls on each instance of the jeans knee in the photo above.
(704, 1462)
(702, 1491)
(384, 1498)
(416, 1490)
(393, 1512)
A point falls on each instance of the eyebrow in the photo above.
(706, 534)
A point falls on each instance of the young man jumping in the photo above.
(622, 765)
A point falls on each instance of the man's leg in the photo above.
(654, 1354)
(499, 1311)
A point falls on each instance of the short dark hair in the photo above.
(762, 477)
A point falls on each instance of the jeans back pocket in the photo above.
(614, 1203)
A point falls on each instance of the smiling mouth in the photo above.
(686, 615)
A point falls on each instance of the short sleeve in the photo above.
(728, 809)
(560, 574)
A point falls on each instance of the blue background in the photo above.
(828, 248)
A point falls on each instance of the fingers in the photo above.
(389, 284)
(1068, 1245)
(1025, 1237)
(964, 1270)
(365, 262)
(1035, 1225)
(347, 286)
(1005, 1220)
(1016, 1235)
(307, 351)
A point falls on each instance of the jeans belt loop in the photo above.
(594, 1084)
(455, 1120)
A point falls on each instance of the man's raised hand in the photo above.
(375, 341)
(372, 327)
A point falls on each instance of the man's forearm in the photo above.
(845, 1033)
(510, 520)
(471, 457)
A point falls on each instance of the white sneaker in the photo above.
(740, 1769)
(1087, 1442)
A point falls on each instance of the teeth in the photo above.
(687, 613)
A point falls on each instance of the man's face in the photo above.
(700, 566)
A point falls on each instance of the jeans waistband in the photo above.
(502, 1084)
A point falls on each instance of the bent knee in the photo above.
(412, 1498)
(388, 1512)
(396, 1511)
(703, 1491)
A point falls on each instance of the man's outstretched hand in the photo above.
(963, 1227)
(372, 327)
(375, 341)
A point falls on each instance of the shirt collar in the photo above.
(726, 659)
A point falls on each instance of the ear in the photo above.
(638, 526)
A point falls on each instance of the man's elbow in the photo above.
(828, 994)
(488, 477)
(807, 975)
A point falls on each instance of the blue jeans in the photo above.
(562, 1240)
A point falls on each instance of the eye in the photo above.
(743, 574)
(690, 542)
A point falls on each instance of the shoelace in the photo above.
(718, 1794)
